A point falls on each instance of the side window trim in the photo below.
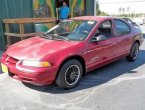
(125, 24)
(112, 32)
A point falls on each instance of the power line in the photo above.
(122, 2)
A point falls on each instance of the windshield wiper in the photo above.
(53, 36)
(46, 36)
(61, 37)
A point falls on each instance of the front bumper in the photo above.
(37, 78)
(32, 75)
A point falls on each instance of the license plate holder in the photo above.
(4, 68)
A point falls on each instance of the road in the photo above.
(117, 86)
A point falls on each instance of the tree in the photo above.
(97, 9)
(103, 14)
(123, 10)
(120, 10)
(128, 9)
(99, 12)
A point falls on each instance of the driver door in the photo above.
(102, 51)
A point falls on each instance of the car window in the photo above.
(76, 30)
(121, 28)
(105, 29)
(128, 20)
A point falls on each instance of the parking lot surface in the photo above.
(117, 86)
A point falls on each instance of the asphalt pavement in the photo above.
(116, 86)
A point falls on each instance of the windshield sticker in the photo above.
(91, 22)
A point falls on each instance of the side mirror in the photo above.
(99, 38)
(134, 24)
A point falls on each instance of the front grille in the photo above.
(11, 60)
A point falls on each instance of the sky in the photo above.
(112, 6)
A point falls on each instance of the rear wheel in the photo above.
(133, 52)
(69, 74)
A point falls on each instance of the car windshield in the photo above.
(75, 30)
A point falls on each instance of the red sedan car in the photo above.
(70, 49)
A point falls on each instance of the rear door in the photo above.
(123, 35)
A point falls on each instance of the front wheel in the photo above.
(69, 74)
(133, 52)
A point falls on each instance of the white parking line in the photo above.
(121, 79)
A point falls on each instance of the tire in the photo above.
(133, 52)
(69, 74)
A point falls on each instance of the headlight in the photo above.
(36, 63)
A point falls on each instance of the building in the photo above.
(39, 8)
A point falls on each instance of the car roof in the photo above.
(94, 18)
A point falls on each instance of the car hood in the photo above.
(37, 48)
